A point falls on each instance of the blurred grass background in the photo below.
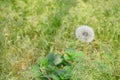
(33, 28)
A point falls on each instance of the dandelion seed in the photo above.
(85, 34)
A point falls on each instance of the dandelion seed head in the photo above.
(85, 34)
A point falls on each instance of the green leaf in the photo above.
(54, 59)
(68, 55)
(36, 70)
(50, 58)
(54, 77)
(42, 61)
(57, 59)
(64, 73)
(71, 54)
(44, 78)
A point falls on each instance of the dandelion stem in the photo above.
(86, 55)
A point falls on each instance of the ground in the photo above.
(33, 28)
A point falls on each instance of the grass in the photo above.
(33, 28)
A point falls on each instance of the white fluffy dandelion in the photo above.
(85, 33)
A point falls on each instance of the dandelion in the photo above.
(85, 34)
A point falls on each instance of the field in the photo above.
(30, 29)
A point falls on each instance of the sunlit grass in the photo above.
(33, 28)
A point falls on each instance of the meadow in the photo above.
(30, 29)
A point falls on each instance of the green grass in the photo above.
(33, 28)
